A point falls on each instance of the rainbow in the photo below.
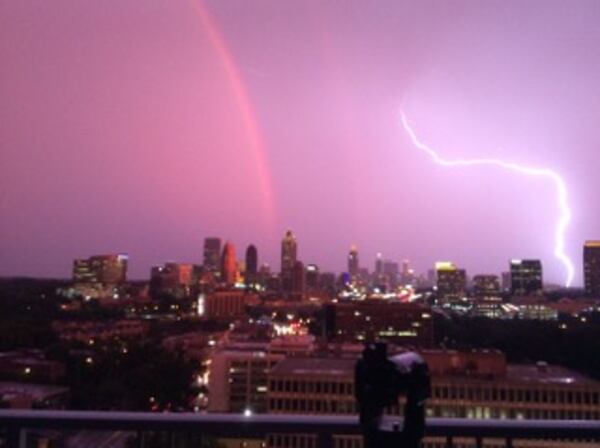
(240, 93)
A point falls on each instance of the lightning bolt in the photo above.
(561, 191)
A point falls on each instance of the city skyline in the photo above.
(226, 264)
(274, 266)
(144, 128)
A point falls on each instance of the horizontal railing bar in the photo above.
(259, 425)
(212, 424)
(515, 429)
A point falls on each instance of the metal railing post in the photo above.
(324, 440)
(17, 437)
(141, 442)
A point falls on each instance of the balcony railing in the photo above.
(17, 423)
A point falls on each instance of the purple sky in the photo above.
(122, 129)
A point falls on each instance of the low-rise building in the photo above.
(228, 305)
(193, 345)
(30, 366)
(534, 308)
(486, 286)
(238, 378)
(491, 307)
(478, 385)
(174, 279)
(33, 396)
(89, 332)
(408, 324)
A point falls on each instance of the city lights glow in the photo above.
(200, 306)
(564, 217)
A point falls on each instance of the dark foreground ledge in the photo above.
(260, 425)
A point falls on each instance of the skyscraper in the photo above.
(174, 279)
(212, 254)
(505, 281)
(526, 277)
(451, 282)
(299, 278)
(251, 264)
(390, 270)
(591, 268)
(312, 277)
(407, 274)
(486, 286)
(289, 248)
(379, 264)
(228, 264)
(353, 262)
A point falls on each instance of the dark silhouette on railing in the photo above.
(379, 382)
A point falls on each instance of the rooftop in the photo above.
(35, 391)
(315, 366)
(543, 373)
(540, 373)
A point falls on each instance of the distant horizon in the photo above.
(275, 267)
(555, 286)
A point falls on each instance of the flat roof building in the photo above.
(101, 269)
(478, 385)
(451, 282)
(526, 277)
(591, 268)
(33, 396)
(486, 286)
(408, 324)
(238, 378)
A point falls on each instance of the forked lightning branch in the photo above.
(564, 216)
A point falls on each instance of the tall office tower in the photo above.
(391, 270)
(228, 264)
(379, 264)
(407, 275)
(353, 262)
(486, 286)
(212, 254)
(299, 278)
(83, 272)
(431, 277)
(327, 281)
(289, 249)
(312, 277)
(526, 277)
(175, 279)
(451, 282)
(506, 281)
(251, 264)
(101, 269)
(591, 268)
